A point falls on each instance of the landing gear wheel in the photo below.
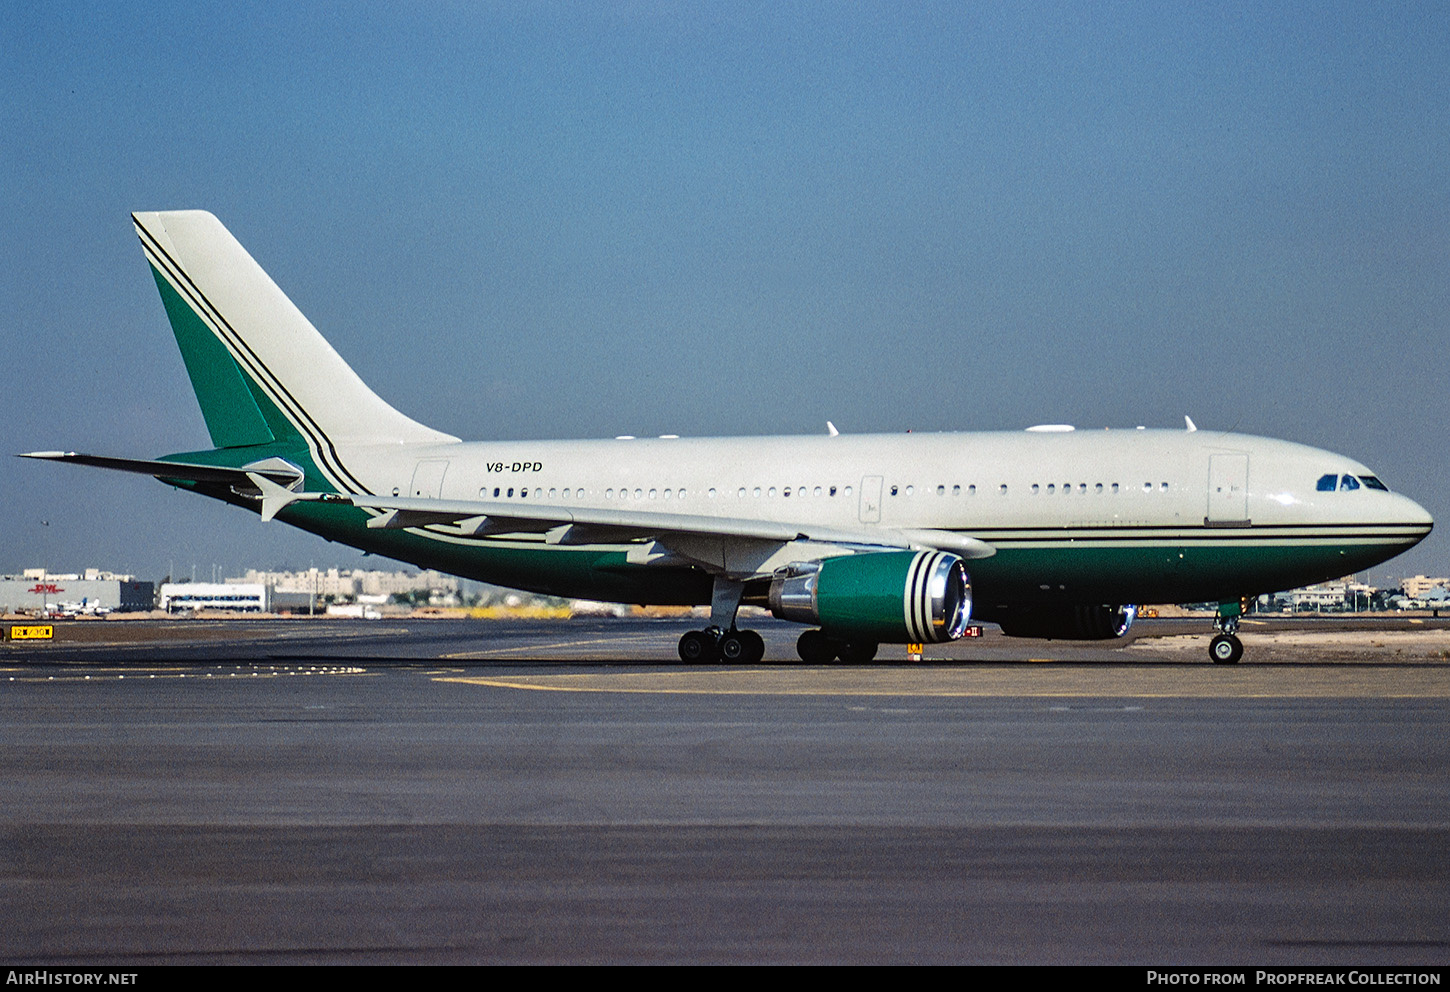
(745, 647)
(1225, 649)
(858, 652)
(735, 647)
(815, 648)
(697, 648)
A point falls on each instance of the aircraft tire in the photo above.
(1225, 649)
(815, 648)
(697, 648)
(858, 652)
(756, 643)
(734, 647)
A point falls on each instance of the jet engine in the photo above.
(891, 596)
(1068, 623)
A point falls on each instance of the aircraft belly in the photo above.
(1174, 573)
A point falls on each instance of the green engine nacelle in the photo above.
(892, 596)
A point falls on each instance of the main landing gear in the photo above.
(744, 647)
(1226, 648)
(721, 641)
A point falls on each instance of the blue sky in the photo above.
(569, 219)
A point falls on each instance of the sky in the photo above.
(553, 220)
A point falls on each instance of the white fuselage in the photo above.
(969, 482)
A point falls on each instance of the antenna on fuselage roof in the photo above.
(1189, 421)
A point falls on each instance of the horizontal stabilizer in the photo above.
(275, 470)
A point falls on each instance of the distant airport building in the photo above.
(1347, 593)
(245, 597)
(1419, 587)
(351, 584)
(1326, 595)
(92, 591)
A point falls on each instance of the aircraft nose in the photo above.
(1418, 514)
(1412, 515)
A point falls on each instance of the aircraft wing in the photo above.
(577, 525)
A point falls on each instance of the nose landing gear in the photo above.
(1226, 648)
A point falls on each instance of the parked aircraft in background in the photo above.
(1049, 532)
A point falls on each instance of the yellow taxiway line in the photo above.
(1169, 682)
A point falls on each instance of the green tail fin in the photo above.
(232, 416)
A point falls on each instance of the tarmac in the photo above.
(439, 791)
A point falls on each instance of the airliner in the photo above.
(867, 539)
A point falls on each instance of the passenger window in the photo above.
(1348, 482)
(1327, 483)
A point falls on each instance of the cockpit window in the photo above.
(1346, 482)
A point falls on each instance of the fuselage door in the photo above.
(1228, 490)
(871, 499)
(428, 478)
